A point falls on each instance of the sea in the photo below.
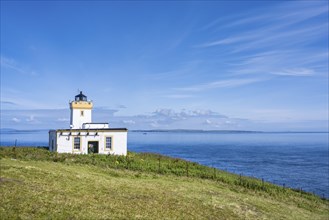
(298, 160)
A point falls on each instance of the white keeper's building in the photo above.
(85, 137)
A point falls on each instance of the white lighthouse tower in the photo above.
(80, 111)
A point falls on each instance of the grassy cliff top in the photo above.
(36, 183)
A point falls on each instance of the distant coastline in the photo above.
(12, 130)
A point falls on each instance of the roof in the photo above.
(92, 130)
(80, 97)
(95, 123)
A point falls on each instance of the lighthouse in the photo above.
(85, 136)
(80, 111)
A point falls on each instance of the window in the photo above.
(81, 113)
(108, 144)
(77, 143)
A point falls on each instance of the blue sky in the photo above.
(167, 65)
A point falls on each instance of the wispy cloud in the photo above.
(185, 113)
(121, 106)
(63, 119)
(269, 44)
(165, 118)
(14, 119)
(295, 72)
(21, 101)
(284, 14)
(13, 65)
(270, 35)
(277, 41)
(230, 40)
(31, 118)
(178, 96)
(8, 103)
(281, 39)
(184, 69)
(297, 63)
(229, 83)
(129, 122)
(226, 123)
(285, 114)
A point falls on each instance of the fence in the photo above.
(153, 163)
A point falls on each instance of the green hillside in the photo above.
(36, 183)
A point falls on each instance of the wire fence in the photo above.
(156, 164)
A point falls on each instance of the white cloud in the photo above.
(295, 72)
(257, 119)
(16, 99)
(185, 113)
(223, 123)
(164, 112)
(229, 40)
(15, 120)
(31, 118)
(129, 122)
(285, 114)
(286, 13)
(8, 103)
(282, 62)
(281, 21)
(279, 41)
(155, 124)
(229, 83)
(229, 122)
(63, 119)
(121, 106)
(178, 96)
(12, 64)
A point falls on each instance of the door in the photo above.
(92, 147)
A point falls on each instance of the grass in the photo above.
(36, 183)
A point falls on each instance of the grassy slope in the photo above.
(32, 188)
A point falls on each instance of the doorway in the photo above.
(92, 147)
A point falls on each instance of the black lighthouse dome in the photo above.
(80, 97)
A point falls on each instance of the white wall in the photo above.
(77, 120)
(119, 142)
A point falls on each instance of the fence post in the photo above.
(159, 164)
(186, 168)
(214, 173)
(14, 149)
(127, 163)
